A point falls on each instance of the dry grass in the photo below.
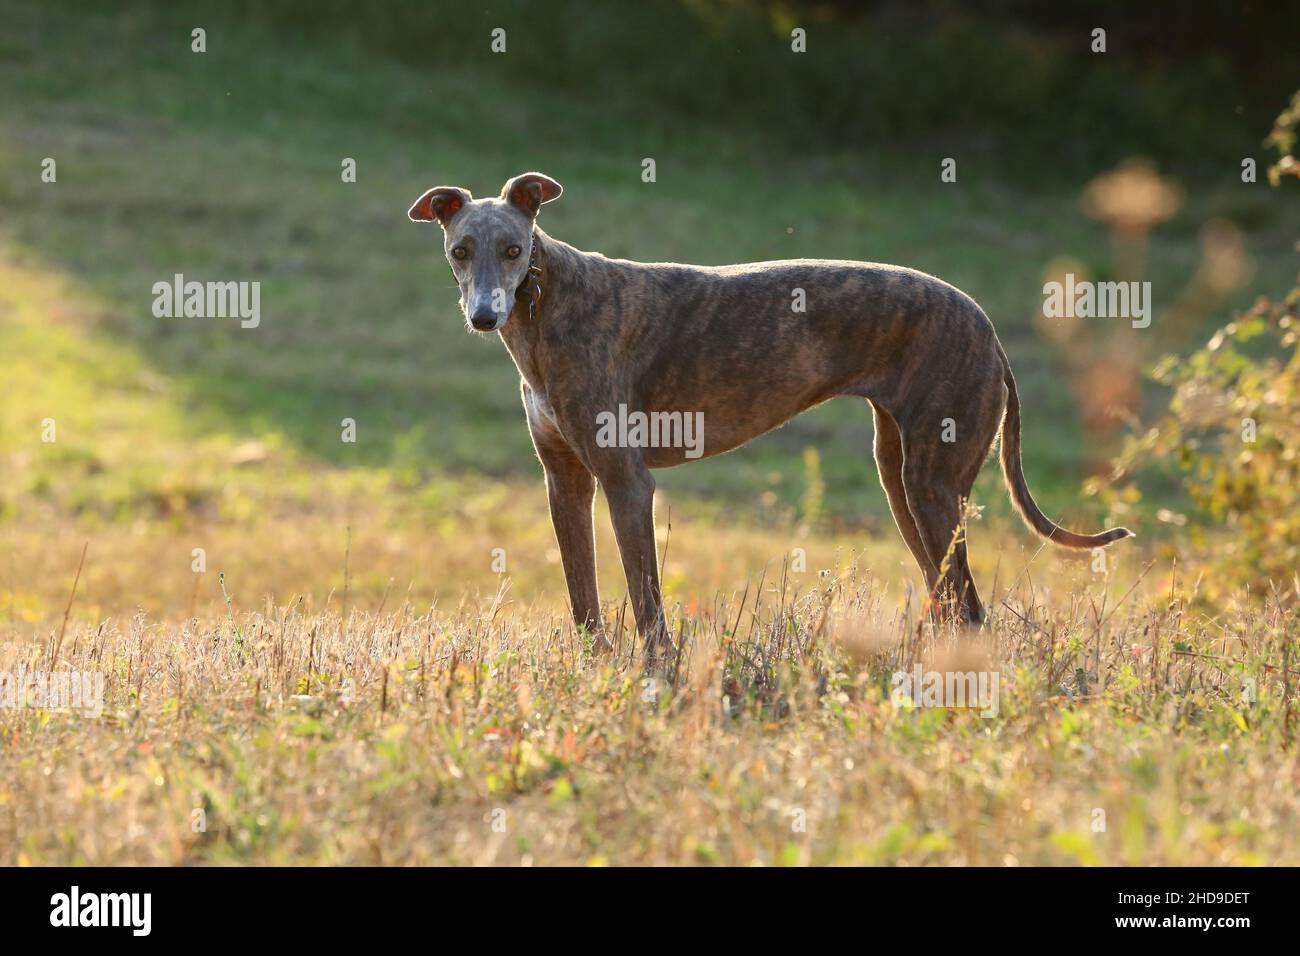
(489, 735)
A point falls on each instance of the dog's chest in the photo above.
(526, 356)
(538, 407)
(542, 406)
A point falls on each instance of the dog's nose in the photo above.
(485, 320)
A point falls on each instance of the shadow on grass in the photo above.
(227, 166)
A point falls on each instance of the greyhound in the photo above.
(743, 348)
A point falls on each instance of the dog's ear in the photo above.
(440, 203)
(528, 191)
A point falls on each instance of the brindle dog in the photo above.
(589, 334)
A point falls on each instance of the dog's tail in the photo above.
(1015, 477)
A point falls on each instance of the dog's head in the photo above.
(487, 242)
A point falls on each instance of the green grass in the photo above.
(226, 165)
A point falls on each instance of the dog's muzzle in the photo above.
(484, 320)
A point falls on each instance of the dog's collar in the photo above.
(532, 284)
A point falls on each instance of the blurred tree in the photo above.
(1232, 431)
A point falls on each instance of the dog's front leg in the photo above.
(570, 495)
(570, 490)
(630, 491)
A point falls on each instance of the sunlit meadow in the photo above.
(317, 651)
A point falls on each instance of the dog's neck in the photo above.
(530, 289)
(522, 332)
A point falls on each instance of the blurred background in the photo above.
(189, 448)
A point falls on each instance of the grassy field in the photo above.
(1127, 732)
(306, 638)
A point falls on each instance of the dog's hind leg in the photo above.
(982, 418)
(936, 506)
(889, 463)
(938, 476)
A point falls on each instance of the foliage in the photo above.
(1232, 430)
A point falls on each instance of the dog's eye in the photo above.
(513, 252)
(460, 252)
